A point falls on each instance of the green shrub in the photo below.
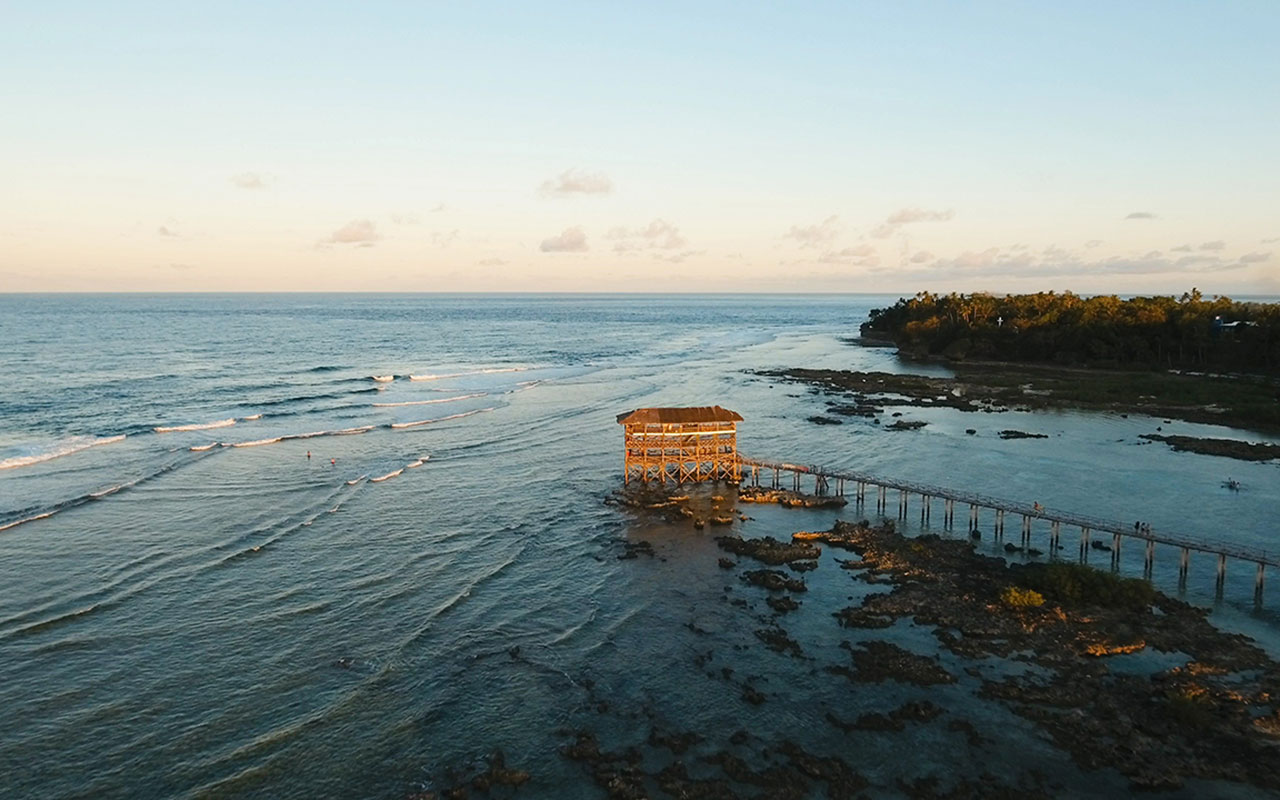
(1077, 584)
(1017, 597)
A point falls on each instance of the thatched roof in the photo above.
(672, 416)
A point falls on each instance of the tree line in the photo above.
(1190, 331)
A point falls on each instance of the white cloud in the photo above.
(491, 262)
(814, 235)
(1092, 243)
(360, 232)
(1053, 262)
(1215, 245)
(570, 240)
(921, 257)
(163, 231)
(1140, 215)
(862, 255)
(907, 216)
(571, 182)
(444, 238)
(659, 234)
(1182, 248)
(249, 180)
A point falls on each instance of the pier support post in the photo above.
(880, 499)
(999, 523)
(904, 498)
(1257, 585)
(925, 502)
(795, 481)
(1222, 575)
(840, 487)
(1150, 559)
(973, 517)
(1084, 545)
(1183, 564)
(1115, 552)
(948, 513)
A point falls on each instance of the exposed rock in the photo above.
(1228, 448)
(1013, 434)
(774, 580)
(768, 550)
(788, 499)
(906, 425)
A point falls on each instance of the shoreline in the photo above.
(856, 393)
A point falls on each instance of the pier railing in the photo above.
(1088, 524)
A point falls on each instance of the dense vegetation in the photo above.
(1078, 584)
(1156, 332)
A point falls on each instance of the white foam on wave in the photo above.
(202, 447)
(18, 522)
(494, 370)
(257, 442)
(383, 378)
(386, 477)
(354, 481)
(64, 448)
(198, 426)
(430, 402)
(291, 436)
(402, 425)
(252, 417)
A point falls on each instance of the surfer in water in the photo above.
(308, 455)
(333, 462)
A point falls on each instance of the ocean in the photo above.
(299, 546)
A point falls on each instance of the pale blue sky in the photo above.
(406, 146)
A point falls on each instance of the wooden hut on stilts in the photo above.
(681, 444)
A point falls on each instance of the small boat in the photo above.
(1232, 484)
(383, 378)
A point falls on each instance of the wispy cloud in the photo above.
(1182, 248)
(1272, 240)
(249, 180)
(863, 255)
(814, 235)
(1140, 215)
(908, 216)
(491, 262)
(360, 232)
(921, 257)
(1215, 245)
(444, 238)
(1055, 262)
(1092, 243)
(657, 235)
(570, 240)
(571, 182)
(163, 231)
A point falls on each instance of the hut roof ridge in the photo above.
(679, 415)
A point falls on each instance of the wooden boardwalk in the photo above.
(857, 482)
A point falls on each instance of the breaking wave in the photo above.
(199, 426)
(383, 378)
(430, 377)
(401, 425)
(388, 476)
(63, 448)
(429, 402)
(291, 436)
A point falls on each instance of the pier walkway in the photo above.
(823, 480)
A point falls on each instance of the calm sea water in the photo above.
(204, 592)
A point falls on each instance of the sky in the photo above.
(647, 147)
